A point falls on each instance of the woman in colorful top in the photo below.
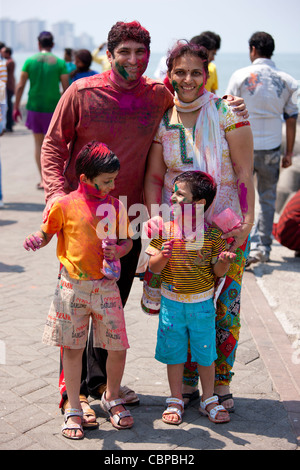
(201, 132)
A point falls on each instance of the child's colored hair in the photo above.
(96, 158)
(202, 185)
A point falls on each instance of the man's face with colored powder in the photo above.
(129, 60)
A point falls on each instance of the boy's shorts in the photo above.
(74, 303)
(179, 322)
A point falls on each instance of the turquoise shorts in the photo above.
(179, 322)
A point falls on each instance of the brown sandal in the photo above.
(86, 413)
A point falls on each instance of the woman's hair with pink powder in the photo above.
(184, 47)
(133, 31)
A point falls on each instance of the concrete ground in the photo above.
(266, 385)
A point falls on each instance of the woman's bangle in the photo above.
(247, 223)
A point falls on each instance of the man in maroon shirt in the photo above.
(121, 108)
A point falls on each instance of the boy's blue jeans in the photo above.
(266, 167)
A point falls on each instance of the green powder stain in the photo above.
(97, 187)
(122, 71)
(175, 85)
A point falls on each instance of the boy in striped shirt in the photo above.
(188, 272)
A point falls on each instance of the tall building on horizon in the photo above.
(22, 36)
(27, 32)
(63, 33)
(8, 32)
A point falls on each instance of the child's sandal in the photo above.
(74, 426)
(116, 417)
(173, 410)
(215, 411)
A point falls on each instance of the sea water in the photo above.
(226, 64)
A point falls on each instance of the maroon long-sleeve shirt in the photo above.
(95, 108)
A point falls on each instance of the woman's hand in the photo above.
(239, 234)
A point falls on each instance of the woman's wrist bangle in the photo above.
(247, 223)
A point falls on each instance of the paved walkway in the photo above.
(266, 384)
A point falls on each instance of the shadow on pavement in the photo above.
(14, 268)
(25, 206)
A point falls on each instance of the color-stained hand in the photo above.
(33, 242)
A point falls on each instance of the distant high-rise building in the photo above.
(8, 32)
(84, 41)
(63, 33)
(22, 36)
(27, 34)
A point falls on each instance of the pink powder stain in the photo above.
(242, 190)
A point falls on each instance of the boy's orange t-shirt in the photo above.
(82, 220)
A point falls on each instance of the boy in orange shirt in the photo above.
(80, 219)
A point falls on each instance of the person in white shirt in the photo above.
(271, 96)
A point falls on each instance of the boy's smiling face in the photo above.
(181, 193)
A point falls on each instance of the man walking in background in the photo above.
(45, 71)
(269, 94)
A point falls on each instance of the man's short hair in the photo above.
(215, 37)
(133, 31)
(46, 39)
(204, 40)
(8, 50)
(263, 43)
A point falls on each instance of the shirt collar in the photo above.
(265, 61)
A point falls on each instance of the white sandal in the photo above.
(213, 413)
(173, 409)
(74, 426)
(115, 418)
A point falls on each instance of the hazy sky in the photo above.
(167, 20)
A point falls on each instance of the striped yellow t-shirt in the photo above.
(190, 271)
